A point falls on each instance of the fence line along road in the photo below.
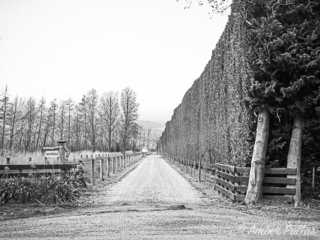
(232, 181)
(109, 164)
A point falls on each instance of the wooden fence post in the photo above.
(193, 170)
(101, 169)
(122, 162)
(313, 176)
(181, 164)
(118, 163)
(199, 170)
(113, 165)
(236, 183)
(108, 165)
(92, 171)
(187, 165)
(205, 171)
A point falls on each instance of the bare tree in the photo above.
(69, 106)
(4, 105)
(134, 135)
(53, 113)
(92, 101)
(84, 113)
(77, 127)
(109, 113)
(16, 111)
(42, 108)
(129, 114)
(46, 130)
(62, 118)
(30, 117)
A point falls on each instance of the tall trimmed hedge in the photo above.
(268, 56)
(213, 121)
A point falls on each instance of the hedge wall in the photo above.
(213, 121)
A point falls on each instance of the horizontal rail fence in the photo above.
(233, 181)
(202, 171)
(110, 165)
(107, 165)
(25, 170)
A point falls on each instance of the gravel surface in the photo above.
(154, 181)
(154, 201)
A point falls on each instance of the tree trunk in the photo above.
(5, 103)
(294, 157)
(39, 129)
(254, 191)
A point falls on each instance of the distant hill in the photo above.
(152, 125)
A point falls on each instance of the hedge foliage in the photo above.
(213, 121)
(284, 56)
(268, 55)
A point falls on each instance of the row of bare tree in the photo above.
(104, 123)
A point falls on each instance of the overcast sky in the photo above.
(64, 48)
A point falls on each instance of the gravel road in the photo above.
(155, 202)
(154, 181)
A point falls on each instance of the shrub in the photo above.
(59, 188)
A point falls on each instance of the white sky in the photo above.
(64, 48)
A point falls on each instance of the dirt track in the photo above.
(153, 201)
